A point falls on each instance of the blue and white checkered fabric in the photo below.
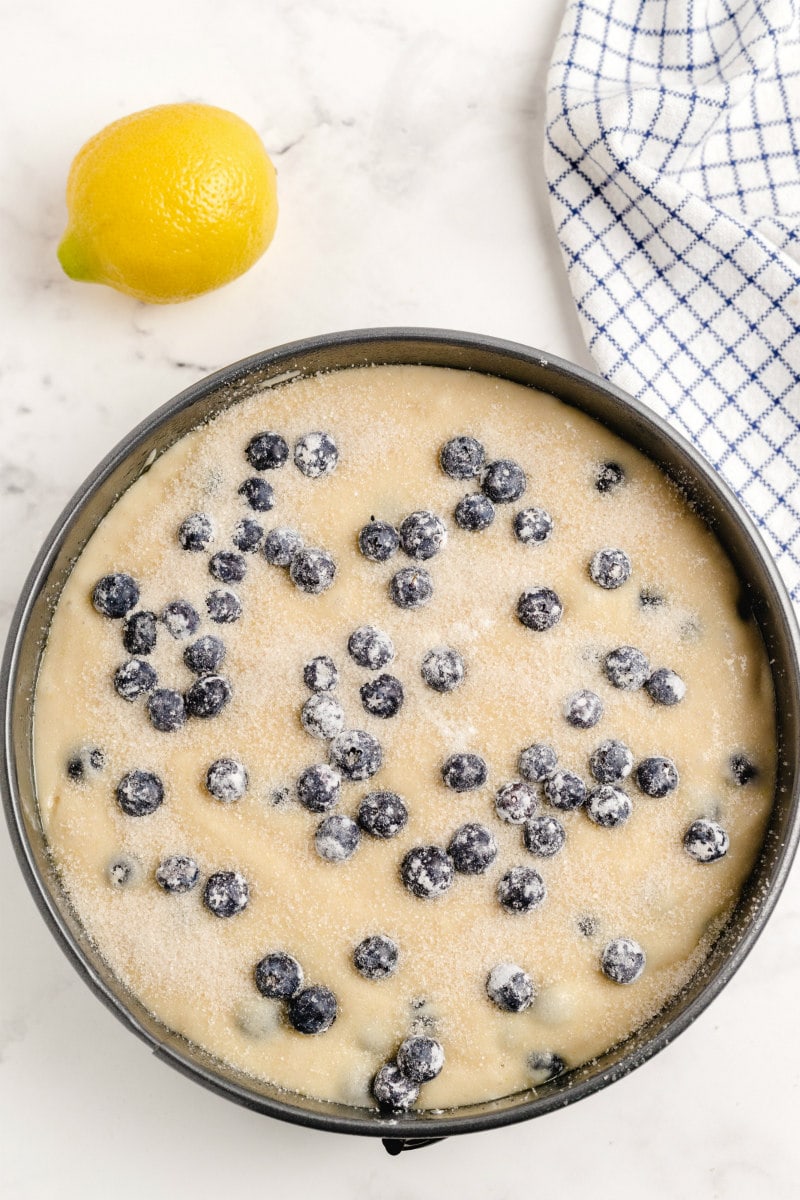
(673, 161)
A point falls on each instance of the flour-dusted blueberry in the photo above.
(321, 674)
(313, 1010)
(510, 988)
(412, 587)
(227, 566)
(427, 871)
(472, 848)
(665, 687)
(316, 454)
(167, 710)
(281, 545)
(319, 787)
(626, 668)
(608, 806)
(657, 776)
(464, 772)
(337, 838)
(247, 535)
(539, 609)
(139, 793)
(743, 770)
(180, 619)
(224, 607)
(322, 716)
(515, 802)
(564, 790)
(312, 570)
(376, 957)
(537, 762)
(521, 890)
(420, 1058)
(623, 960)
(608, 477)
(706, 841)
(382, 814)
(227, 780)
(85, 763)
(207, 696)
(462, 457)
(258, 494)
(393, 1090)
(115, 595)
(278, 975)
(134, 678)
(422, 534)
(123, 870)
(474, 512)
(610, 568)
(177, 873)
(533, 526)
(370, 647)
(378, 541)
(611, 761)
(196, 532)
(443, 669)
(503, 481)
(583, 709)
(587, 926)
(382, 697)
(544, 1065)
(356, 754)
(226, 893)
(139, 632)
(267, 451)
(544, 836)
(205, 655)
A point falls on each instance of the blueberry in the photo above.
(226, 893)
(544, 836)
(258, 494)
(205, 655)
(537, 762)
(462, 457)
(539, 609)
(281, 545)
(356, 754)
(226, 779)
(97, 759)
(610, 568)
(427, 871)
(177, 873)
(665, 687)
(473, 849)
(443, 669)
(706, 841)
(88, 760)
(544, 1065)
(337, 838)
(139, 633)
(166, 710)
(313, 1010)
(312, 570)
(180, 619)
(321, 674)
(520, 890)
(622, 960)
(587, 926)
(207, 696)
(322, 716)
(227, 566)
(267, 451)
(134, 678)
(196, 532)
(742, 769)
(247, 535)
(611, 761)
(474, 512)
(533, 526)
(319, 787)
(608, 806)
(393, 1091)
(382, 814)
(657, 776)
(139, 793)
(608, 477)
(382, 697)
(115, 595)
(464, 772)
(420, 1059)
(510, 988)
(422, 534)
(122, 870)
(376, 957)
(626, 668)
(315, 454)
(515, 802)
(278, 976)
(583, 710)
(649, 598)
(564, 790)
(370, 647)
(224, 607)
(503, 481)
(412, 587)
(378, 541)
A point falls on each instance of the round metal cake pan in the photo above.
(763, 599)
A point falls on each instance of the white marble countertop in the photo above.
(408, 141)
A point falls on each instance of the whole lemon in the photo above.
(169, 203)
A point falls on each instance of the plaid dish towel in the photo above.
(672, 156)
